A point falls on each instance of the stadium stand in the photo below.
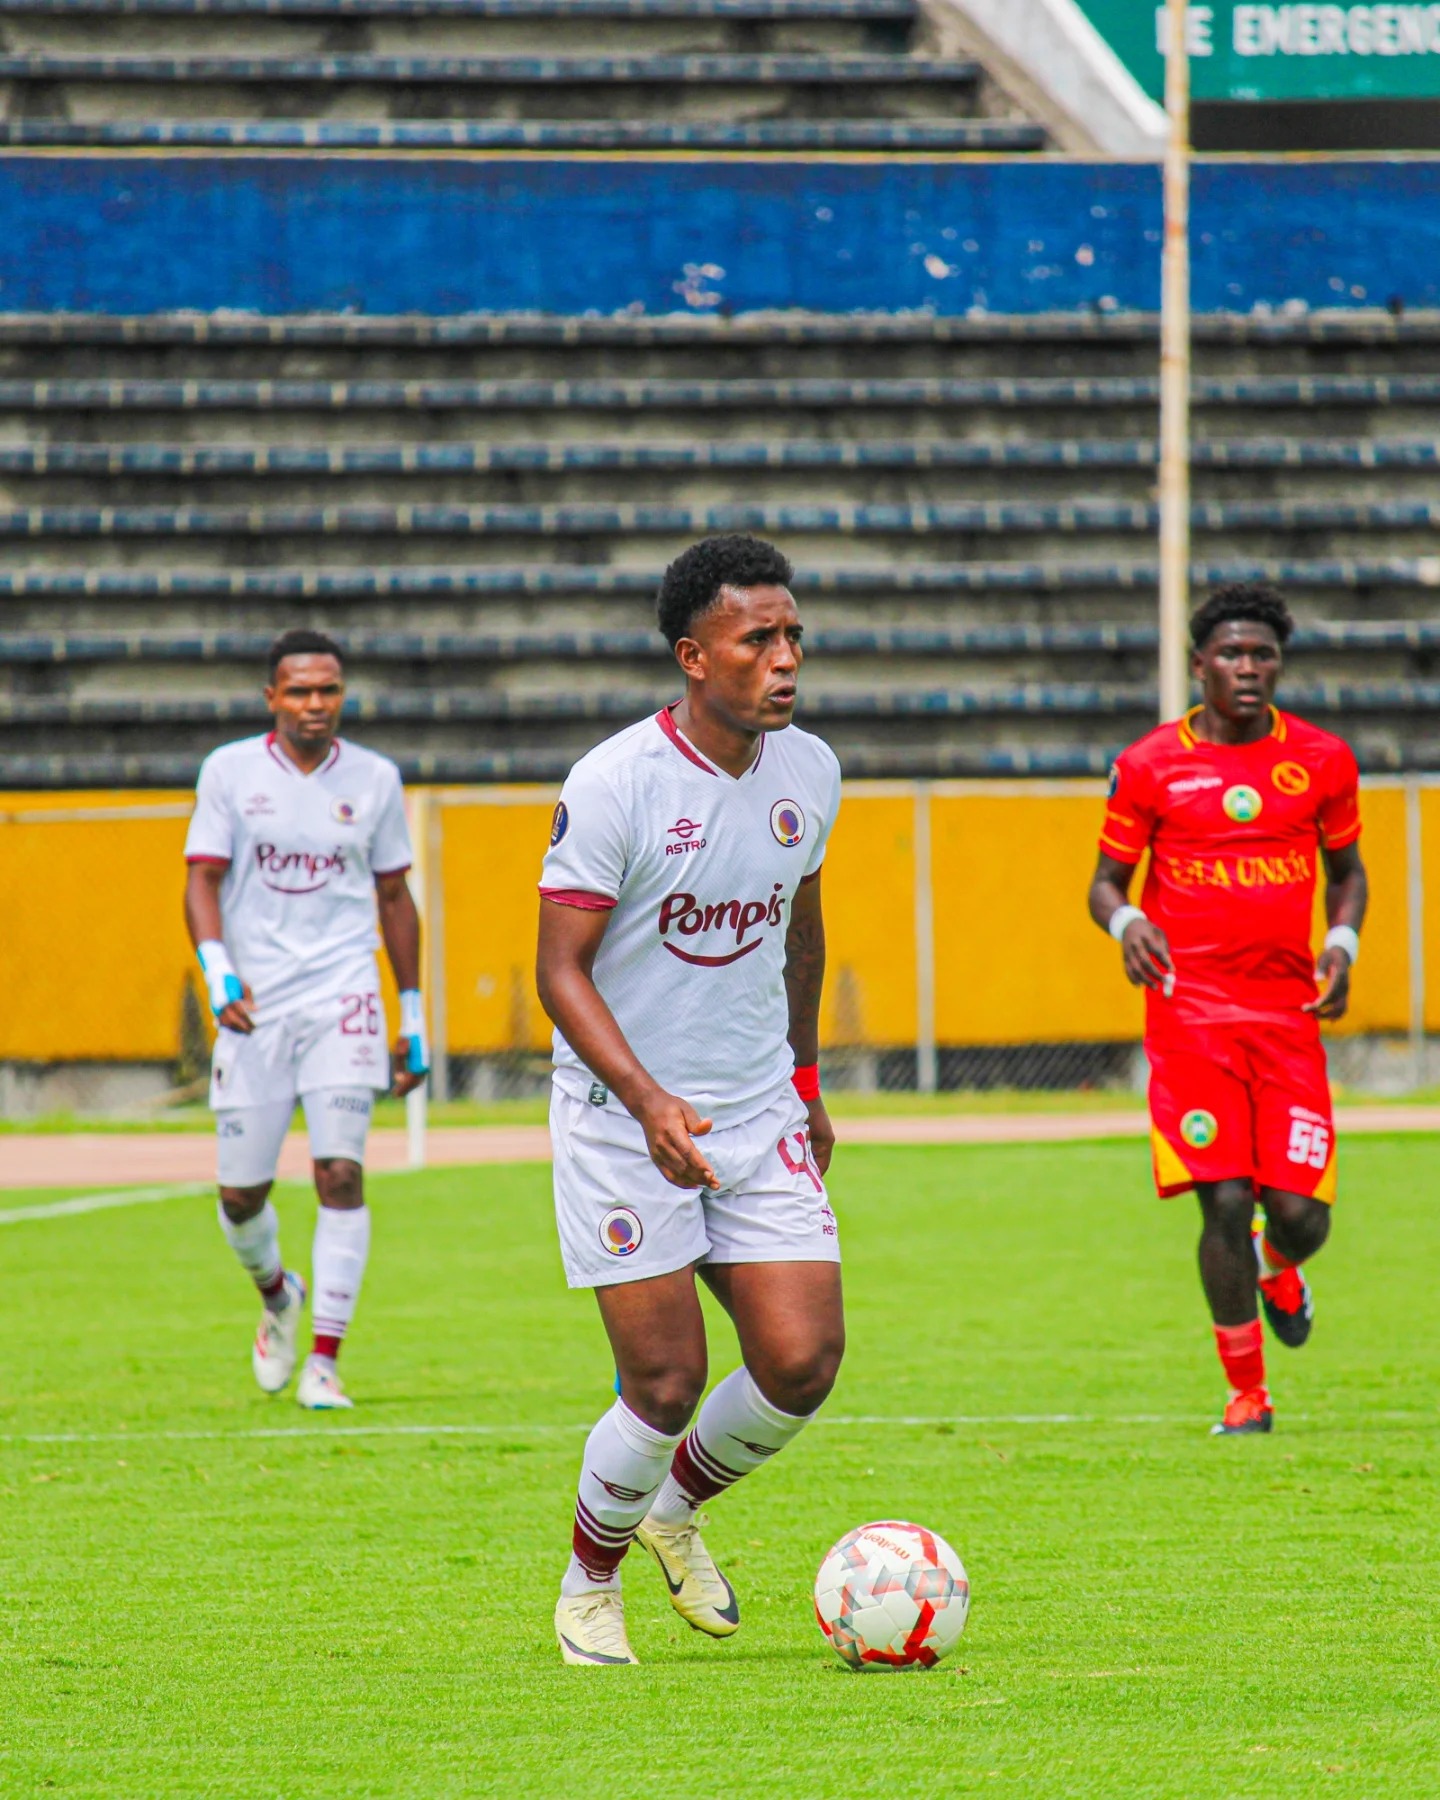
(481, 507)
(701, 75)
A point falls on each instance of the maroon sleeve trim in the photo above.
(814, 875)
(578, 898)
(219, 862)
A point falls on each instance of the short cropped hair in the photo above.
(301, 641)
(693, 581)
(1253, 601)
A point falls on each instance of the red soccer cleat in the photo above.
(1247, 1413)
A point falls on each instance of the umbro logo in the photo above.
(259, 806)
(686, 832)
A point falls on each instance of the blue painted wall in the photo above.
(388, 235)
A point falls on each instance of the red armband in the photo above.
(807, 1082)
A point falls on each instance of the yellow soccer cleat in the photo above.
(700, 1594)
(591, 1629)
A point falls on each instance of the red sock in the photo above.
(1242, 1355)
(275, 1285)
(330, 1346)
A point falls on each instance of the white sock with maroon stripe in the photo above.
(257, 1244)
(737, 1430)
(625, 1462)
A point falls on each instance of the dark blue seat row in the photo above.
(1070, 517)
(1051, 576)
(639, 330)
(28, 648)
(526, 134)
(672, 457)
(664, 394)
(271, 71)
(468, 9)
(429, 705)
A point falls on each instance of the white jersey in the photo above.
(298, 901)
(698, 871)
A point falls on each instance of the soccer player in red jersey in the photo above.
(1233, 803)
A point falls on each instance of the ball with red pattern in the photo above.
(892, 1596)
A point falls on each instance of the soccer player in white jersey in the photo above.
(681, 956)
(298, 840)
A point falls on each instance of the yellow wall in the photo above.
(94, 957)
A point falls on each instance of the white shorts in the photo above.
(249, 1138)
(334, 1041)
(620, 1220)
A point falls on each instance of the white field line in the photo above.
(315, 1434)
(88, 1203)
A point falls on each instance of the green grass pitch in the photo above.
(203, 1592)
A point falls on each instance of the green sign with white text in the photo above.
(1282, 52)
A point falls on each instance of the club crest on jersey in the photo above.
(1242, 804)
(787, 822)
(343, 812)
(621, 1233)
(559, 822)
(1199, 1129)
(1291, 778)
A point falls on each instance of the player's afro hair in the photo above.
(1252, 601)
(300, 640)
(693, 581)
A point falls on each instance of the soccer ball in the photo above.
(892, 1596)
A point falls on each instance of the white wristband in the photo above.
(1348, 939)
(222, 983)
(1121, 918)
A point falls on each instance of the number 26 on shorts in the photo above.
(360, 1015)
(1309, 1143)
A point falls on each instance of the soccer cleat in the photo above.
(1286, 1298)
(591, 1629)
(277, 1339)
(1246, 1414)
(700, 1594)
(320, 1388)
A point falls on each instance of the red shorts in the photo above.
(1245, 1100)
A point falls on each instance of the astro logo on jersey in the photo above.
(787, 822)
(1199, 1129)
(693, 919)
(621, 1233)
(1291, 778)
(298, 871)
(686, 833)
(1242, 804)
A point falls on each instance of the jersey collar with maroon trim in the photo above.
(666, 721)
(1189, 741)
(304, 774)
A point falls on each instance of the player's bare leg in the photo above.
(790, 1322)
(657, 1337)
(252, 1229)
(342, 1246)
(1227, 1272)
(1295, 1227)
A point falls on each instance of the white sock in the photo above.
(257, 1244)
(625, 1461)
(737, 1430)
(342, 1243)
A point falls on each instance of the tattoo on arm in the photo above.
(805, 973)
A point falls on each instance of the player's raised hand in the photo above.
(1147, 956)
(671, 1126)
(1332, 973)
(239, 1015)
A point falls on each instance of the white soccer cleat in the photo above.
(591, 1629)
(277, 1338)
(320, 1388)
(700, 1594)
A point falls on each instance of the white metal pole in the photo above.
(435, 959)
(926, 1064)
(1415, 922)
(418, 805)
(1175, 376)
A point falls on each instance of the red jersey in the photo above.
(1234, 833)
